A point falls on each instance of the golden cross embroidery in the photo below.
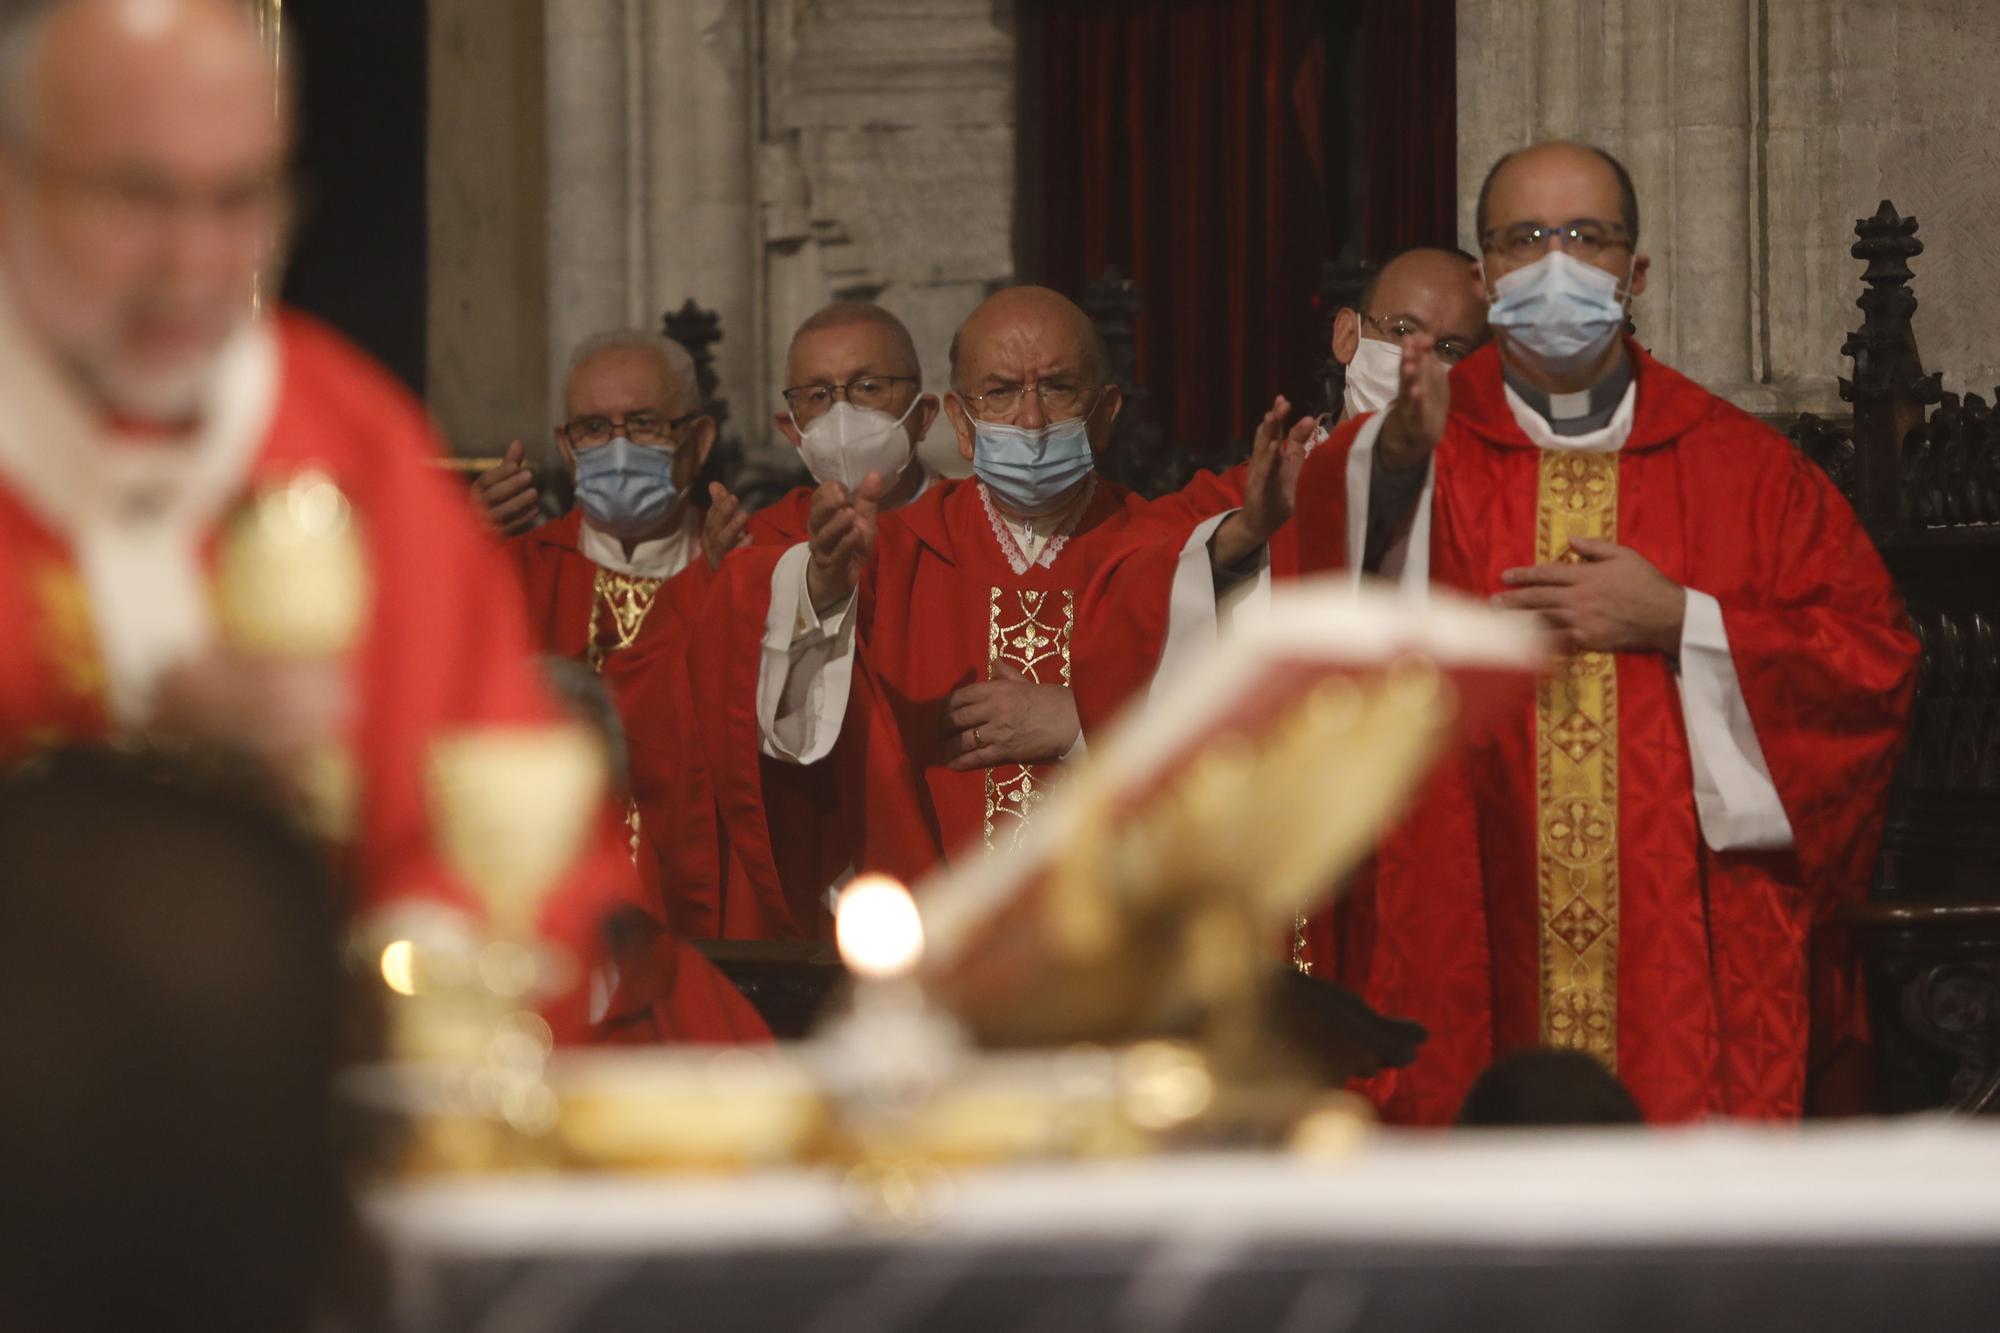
(1029, 631)
(629, 599)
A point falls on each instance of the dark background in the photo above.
(361, 260)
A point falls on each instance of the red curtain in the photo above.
(1408, 74)
(1181, 141)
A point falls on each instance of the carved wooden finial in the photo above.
(1889, 388)
(699, 330)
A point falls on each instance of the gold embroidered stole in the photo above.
(1029, 631)
(1576, 783)
(629, 599)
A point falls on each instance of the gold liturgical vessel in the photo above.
(1109, 986)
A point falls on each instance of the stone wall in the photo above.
(1756, 132)
(760, 156)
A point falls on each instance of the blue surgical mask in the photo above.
(624, 488)
(1030, 471)
(1559, 311)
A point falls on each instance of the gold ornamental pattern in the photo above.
(1576, 783)
(1030, 632)
(628, 599)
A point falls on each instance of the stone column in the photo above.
(697, 196)
(595, 270)
(486, 203)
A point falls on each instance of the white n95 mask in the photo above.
(849, 442)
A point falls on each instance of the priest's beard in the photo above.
(91, 331)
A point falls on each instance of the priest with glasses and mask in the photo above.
(949, 658)
(1642, 865)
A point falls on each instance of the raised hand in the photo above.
(1415, 423)
(1270, 486)
(507, 501)
(1616, 601)
(1009, 720)
(841, 533)
(725, 528)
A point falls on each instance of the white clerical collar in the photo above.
(659, 558)
(135, 514)
(1608, 439)
(1028, 540)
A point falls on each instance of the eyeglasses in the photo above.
(870, 392)
(1395, 328)
(649, 428)
(259, 205)
(1584, 238)
(1061, 399)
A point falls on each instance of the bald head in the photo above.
(1557, 182)
(1029, 357)
(1029, 322)
(177, 104)
(1437, 289)
(887, 335)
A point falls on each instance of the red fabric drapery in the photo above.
(1408, 74)
(1180, 142)
(1205, 148)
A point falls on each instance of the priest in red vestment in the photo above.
(142, 197)
(1643, 864)
(854, 404)
(618, 581)
(947, 659)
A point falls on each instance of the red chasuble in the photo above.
(443, 647)
(1552, 887)
(940, 607)
(636, 632)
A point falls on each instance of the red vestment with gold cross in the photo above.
(1553, 886)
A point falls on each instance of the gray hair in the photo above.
(675, 359)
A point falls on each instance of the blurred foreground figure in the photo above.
(143, 209)
(173, 997)
(1548, 1089)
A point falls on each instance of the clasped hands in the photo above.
(1609, 600)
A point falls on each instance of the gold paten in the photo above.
(1576, 783)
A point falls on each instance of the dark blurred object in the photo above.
(790, 983)
(174, 1005)
(1549, 1089)
(362, 259)
(1339, 1031)
(1921, 467)
(698, 329)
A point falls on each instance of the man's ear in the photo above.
(568, 454)
(1478, 271)
(1346, 334)
(1640, 263)
(1103, 415)
(789, 429)
(961, 423)
(922, 417)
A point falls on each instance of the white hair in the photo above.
(674, 358)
